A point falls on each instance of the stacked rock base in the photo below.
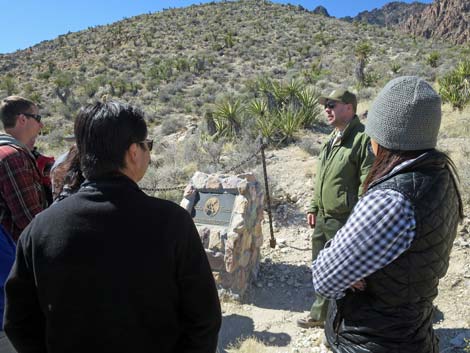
(232, 246)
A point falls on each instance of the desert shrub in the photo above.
(8, 84)
(168, 171)
(433, 59)
(314, 72)
(248, 345)
(44, 75)
(371, 78)
(242, 155)
(395, 67)
(171, 124)
(454, 87)
(310, 145)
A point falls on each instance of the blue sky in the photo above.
(28, 22)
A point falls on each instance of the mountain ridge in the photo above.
(442, 19)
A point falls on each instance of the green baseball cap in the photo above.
(340, 95)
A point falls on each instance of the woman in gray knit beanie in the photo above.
(383, 267)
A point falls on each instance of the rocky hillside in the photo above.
(444, 19)
(390, 15)
(176, 64)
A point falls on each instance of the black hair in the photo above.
(104, 132)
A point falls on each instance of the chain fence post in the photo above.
(272, 240)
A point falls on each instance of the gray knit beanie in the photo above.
(406, 115)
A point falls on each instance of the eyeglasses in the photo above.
(330, 105)
(148, 143)
(36, 117)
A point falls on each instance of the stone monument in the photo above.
(228, 211)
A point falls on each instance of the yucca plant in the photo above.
(289, 122)
(454, 87)
(264, 122)
(258, 107)
(228, 118)
(308, 98)
(266, 126)
(362, 52)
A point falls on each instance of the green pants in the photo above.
(325, 229)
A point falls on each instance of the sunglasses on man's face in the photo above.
(330, 105)
(36, 117)
(148, 143)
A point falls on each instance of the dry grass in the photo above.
(454, 139)
(455, 123)
(249, 345)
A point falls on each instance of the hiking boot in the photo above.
(308, 322)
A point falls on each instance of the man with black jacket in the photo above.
(110, 269)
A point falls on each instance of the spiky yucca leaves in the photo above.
(454, 87)
(308, 98)
(289, 122)
(264, 122)
(284, 110)
(228, 118)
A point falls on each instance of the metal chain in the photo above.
(181, 187)
(246, 160)
(262, 146)
(169, 188)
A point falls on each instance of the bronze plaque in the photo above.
(214, 209)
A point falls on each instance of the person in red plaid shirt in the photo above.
(21, 193)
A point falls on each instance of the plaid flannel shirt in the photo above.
(381, 227)
(21, 193)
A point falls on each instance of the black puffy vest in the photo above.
(394, 313)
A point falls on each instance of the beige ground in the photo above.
(283, 291)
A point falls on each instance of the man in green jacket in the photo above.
(344, 162)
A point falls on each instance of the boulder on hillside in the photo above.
(321, 10)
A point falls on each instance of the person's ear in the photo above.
(132, 152)
(20, 120)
